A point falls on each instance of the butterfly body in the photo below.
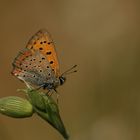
(37, 64)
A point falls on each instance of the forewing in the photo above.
(43, 43)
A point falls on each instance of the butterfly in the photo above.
(37, 64)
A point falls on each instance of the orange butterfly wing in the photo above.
(43, 42)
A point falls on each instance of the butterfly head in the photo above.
(62, 78)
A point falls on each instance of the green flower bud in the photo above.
(15, 107)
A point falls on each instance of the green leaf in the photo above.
(47, 109)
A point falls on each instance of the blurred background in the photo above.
(102, 100)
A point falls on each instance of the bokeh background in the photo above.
(102, 100)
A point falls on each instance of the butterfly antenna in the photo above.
(69, 70)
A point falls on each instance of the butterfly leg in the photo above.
(34, 89)
(41, 86)
(57, 95)
(49, 93)
(38, 88)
